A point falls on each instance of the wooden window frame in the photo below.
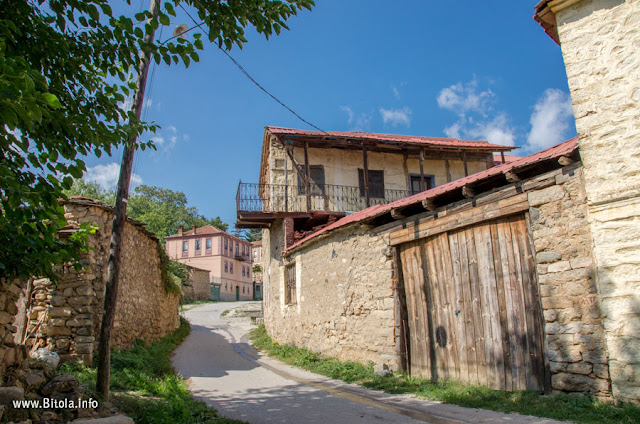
(317, 188)
(290, 284)
(429, 179)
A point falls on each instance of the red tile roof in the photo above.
(497, 159)
(562, 149)
(207, 229)
(391, 138)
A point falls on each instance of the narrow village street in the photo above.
(228, 374)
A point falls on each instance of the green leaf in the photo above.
(140, 16)
(164, 19)
(52, 101)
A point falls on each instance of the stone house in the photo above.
(227, 258)
(601, 51)
(198, 287)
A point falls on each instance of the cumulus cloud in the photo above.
(497, 131)
(107, 175)
(552, 117)
(463, 98)
(166, 139)
(357, 121)
(396, 117)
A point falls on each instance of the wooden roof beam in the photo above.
(511, 177)
(468, 192)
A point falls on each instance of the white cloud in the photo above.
(166, 139)
(551, 118)
(497, 131)
(396, 117)
(357, 121)
(107, 176)
(462, 98)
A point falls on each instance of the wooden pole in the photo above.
(447, 169)
(405, 169)
(422, 185)
(365, 164)
(119, 219)
(286, 185)
(307, 185)
(464, 160)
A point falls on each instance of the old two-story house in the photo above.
(311, 178)
(227, 258)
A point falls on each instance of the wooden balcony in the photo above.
(259, 204)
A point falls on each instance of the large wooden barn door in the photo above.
(472, 306)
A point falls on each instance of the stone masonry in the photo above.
(344, 299)
(66, 318)
(11, 352)
(600, 42)
(197, 288)
(574, 334)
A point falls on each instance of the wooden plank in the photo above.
(484, 282)
(399, 307)
(514, 313)
(464, 160)
(535, 367)
(429, 314)
(405, 170)
(477, 308)
(493, 305)
(459, 307)
(472, 366)
(435, 308)
(450, 306)
(494, 210)
(447, 170)
(502, 306)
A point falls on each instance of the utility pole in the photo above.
(119, 219)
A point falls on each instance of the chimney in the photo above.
(180, 230)
(194, 230)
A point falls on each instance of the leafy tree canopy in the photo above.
(66, 66)
(163, 210)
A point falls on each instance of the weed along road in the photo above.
(228, 374)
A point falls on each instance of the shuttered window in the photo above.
(290, 284)
(376, 183)
(316, 181)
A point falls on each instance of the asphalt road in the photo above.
(228, 374)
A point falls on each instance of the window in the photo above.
(415, 183)
(226, 243)
(185, 246)
(242, 289)
(231, 247)
(243, 250)
(208, 244)
(376, 184)
(198, 244)
(231, 268)
(225, 286)
(316, 180)
(237, 250)
(243, 272)
(290, 284)
(226, 266)
(279, 163)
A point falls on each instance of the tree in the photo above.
(65, 68)
(163, 210)
(253, 234)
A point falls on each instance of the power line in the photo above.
(252, 79)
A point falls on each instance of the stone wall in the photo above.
(344, 305)
(198, 285)
(574, 336)
(71, 312)
(601, 49)
(11, 352)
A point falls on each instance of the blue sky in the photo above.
(467, 69)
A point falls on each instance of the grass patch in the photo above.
(225, 313)
(145, 387)
(579, 409)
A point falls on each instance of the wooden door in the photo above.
(472, 306)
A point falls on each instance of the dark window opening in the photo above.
(376, 184)
(429, 182)
(316, 181)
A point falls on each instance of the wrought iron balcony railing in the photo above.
(270, 198)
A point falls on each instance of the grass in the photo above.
(225, 313)
(579, 409)
(145, 387)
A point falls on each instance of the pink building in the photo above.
(227, 258)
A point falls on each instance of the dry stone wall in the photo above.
(600, 42)
(344, 305)
(574, 336)
(198, 285)
(12, 353)
(66, 318)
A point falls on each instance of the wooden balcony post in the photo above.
(422, 184)
(464, 160)
(306, 175)
(365, 164)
